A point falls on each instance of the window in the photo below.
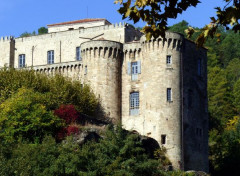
(134, 103)
(78, 54)
(169, 60)
(199, 67)
(169, 94)
(21, 60)
(134, 68)
(134, 71)
(85, 72)
(163, 139)
(50, 57)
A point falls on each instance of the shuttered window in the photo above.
(134, 68)
(134, 103)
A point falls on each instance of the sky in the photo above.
(19, 16)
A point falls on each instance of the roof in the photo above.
(79, 21)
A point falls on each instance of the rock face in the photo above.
(87, 135)
(157, 88)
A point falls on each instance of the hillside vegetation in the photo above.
(40, 118)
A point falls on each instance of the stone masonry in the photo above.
(157, 88)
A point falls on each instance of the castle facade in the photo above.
(157, 88)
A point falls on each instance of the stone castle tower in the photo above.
(157, 88)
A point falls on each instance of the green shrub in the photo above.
(60, 90)
(25, 116)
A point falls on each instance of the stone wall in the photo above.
(157, 116)
(103, 62)
(6, 51)
(63, 43)
(195, 106)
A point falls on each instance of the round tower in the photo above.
(162, 67)
(101, 64)
(158, 85)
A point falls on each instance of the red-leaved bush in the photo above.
(72, 130)
(68, 113)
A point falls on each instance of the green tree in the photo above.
(220, 105)
(118, 153)
(60, 90)
(25, 116)
(42, 30)
(26, 34)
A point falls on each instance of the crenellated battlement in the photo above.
(172, 41)
(132, 50)
(6, 38)
(101, 48)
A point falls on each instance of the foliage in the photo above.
(224, 148)
(58, 90)
(25, 116)
(157, 12)
(27, 34)
(118, 153)
(68, 113)
(42, 30)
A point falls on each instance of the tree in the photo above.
(24, 115)
(26, 34)
(42, 30)
(157, 12)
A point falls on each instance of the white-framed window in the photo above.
(169, 60)
(21, 60)
(169, 94)
(50, 57)
(199, 67)
(134, 68)
(78, 54)
(134, 103)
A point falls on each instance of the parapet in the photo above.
(171, 41)
(101, 48)
(6, 39)
(104, 27)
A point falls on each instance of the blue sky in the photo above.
(18, 16)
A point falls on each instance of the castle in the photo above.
(157, 88)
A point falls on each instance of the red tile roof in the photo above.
(79, 21)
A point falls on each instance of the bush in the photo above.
(68, 113)
(60, 90)
(25, 116)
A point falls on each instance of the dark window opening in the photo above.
(163, 139)
(169, 94)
